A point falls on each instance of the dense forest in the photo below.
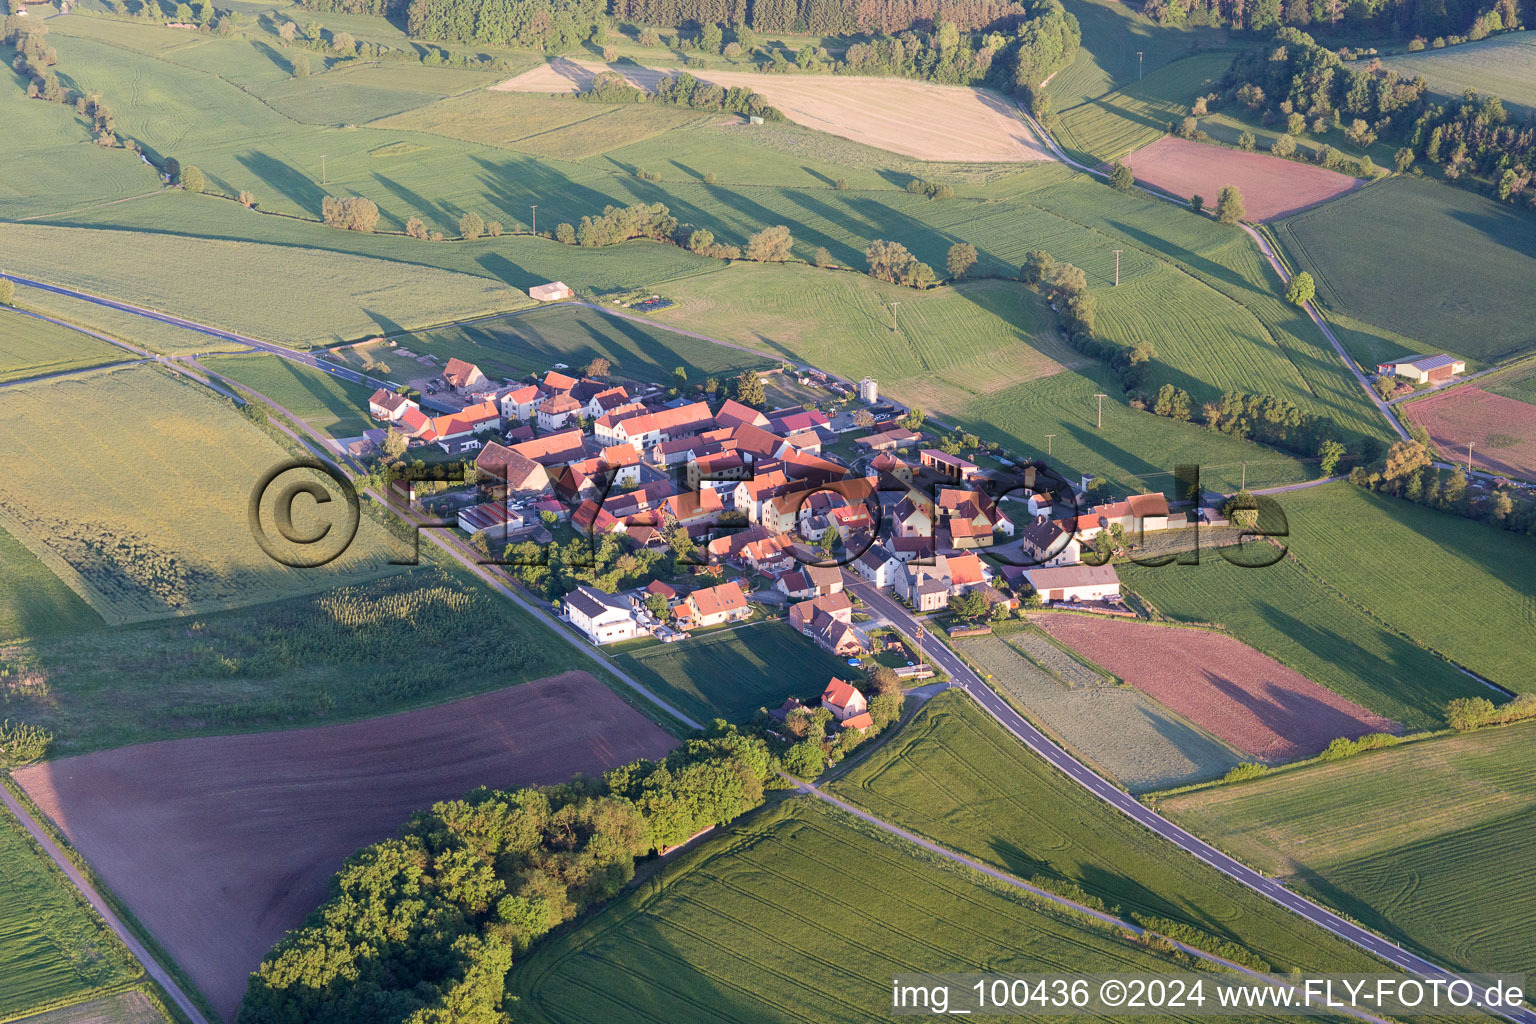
(423, 929)
(823, 17)
(1409, 18)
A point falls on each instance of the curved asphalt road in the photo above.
(1123, 802)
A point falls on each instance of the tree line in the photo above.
(1395, 17)
(821, 17)
(1407, 471)
(423, 928)
(681, 90)
(551, 25)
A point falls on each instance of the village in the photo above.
(737, 513)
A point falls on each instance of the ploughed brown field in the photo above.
(1239, 695)
(1501, 430)
(916, 119)
(1271, 187)
(221, 844)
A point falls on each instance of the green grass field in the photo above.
(1499, 66)
(136, 330)
(408, 640)
(337, 407)
(731, 673)
(954, 776)
(152, 520)
(294, 296)
(1448, 874)
(1107, 127)
(1113, 33)
(1414, 567)
(801, 913)
(131, 1007)
(1518, 383)
(35, 601)
(1120, 730)
(36, 348)
(53, 947)
(1481, 260)
(513, 346)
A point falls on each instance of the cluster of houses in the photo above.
(757, 494)
(849, 707)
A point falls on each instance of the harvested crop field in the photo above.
(1271, 187)
(917, 119)
(1501, 430)
(221, 844)
(1242, 697)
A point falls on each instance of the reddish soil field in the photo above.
(1242, 697)
(1271, 187)
(221, 844)
(1502, 430)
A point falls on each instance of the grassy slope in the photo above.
(284, 294)
(34, 348)
(1482, 259)
(727, 933)
(1519, 383)
(136, 330)
(1500, 66)
(408, 640)
(1373, 549)
(1112, 34)
(731, 674)
(1106, 128)
(34, 601)
(52, 946)
(1199, 292)
(534, 341)
(338, 407)
(154, 522)
(954, 776)
(1449, 878)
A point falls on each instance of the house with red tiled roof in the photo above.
(623, 462)
(734, 414)
(558, 413)
(971, 517)
(592, 520)
(607, 400)
(1075, 582)
(782, 513)
(388, 406)
(509, 472)
(695, 508)
(713, 606)
(463, 377)
(951, 466)
(521, 403)
(773, 553)
(887, 465)
(415, 423)
(1046, 542)
(556, 382)
(715, 467)
(554, 449)
(810, 581)
(843, 699)
(792, 421)
(838, 605)
(459, 432)
(664, 425)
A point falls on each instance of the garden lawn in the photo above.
(733, 672)
(953, 775)
(1482, 259)
(151, 519)
(53, 947)
(1451, 879)
(1460, 588)
(416, 638)
(725, 933)
(532, 342)
(337, 407)
(36, 348)
(298, 297)
(1118, 729)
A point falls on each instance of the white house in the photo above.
(1045, 542)
(521, 403)
(387, 406)
(558, 412)
(878, 565)
(1424, 369)
(1075, 582)
(604, 618)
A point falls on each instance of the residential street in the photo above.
(1037, 741)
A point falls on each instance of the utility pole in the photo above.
(322, 168)
(1244, 485)
(1138, 65)
(1117, 267)
(894, 328)
(1469, 458)
(1101, 398)
(1048, 443)
(535, 208)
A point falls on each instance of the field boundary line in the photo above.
(147, 960)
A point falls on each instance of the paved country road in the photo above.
(967, 680)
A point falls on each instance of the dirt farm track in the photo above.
(221, 844)
(916, 119)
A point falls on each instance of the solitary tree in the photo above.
(299, 65)
(471, 226)
(598, 367)
(192, 179)
(1197, 203)
(750, 390)
(1229, 205)
(770, 245)
(1122, 178)
(1284, 145)
(1300, 289)
(343, 44)
(1037, 264)
(395, 444)
(961, 258)
(1329, 453)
